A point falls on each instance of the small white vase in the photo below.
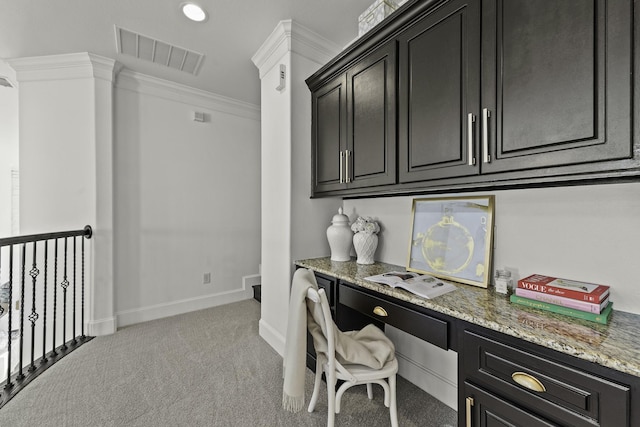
(339, 236)
(365, 245)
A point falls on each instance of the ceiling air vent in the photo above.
(159, 52)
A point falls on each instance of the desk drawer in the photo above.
(569, 396)
(329, 285)
(413, 322)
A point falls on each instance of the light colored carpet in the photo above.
(206, 368)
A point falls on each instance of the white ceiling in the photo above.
(228, 39)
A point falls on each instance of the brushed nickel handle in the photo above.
(380, 311)
(347, 177)
(341, 167)
(470, 402)
(470, 121)
(528, 381)
(485, 135)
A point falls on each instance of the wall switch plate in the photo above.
(206, 278)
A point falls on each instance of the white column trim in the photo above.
(289, 36)
(62, 67)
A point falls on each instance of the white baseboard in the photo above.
(431, 382)
(100, 327)
(144, 314)
(271, 336)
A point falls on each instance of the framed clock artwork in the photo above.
(452, 238)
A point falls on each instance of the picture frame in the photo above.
(452, 238)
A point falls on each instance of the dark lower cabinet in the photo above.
(484, 409)
(504, 385)
(502, 380)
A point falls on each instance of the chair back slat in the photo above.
(318, 297)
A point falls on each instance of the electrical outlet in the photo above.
(206, 278)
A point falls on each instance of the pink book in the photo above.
(563, 301)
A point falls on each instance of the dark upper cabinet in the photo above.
(556, 83)
(489, 93)
(439, 93)
(371, 123)
(329, 134)
(354, 125)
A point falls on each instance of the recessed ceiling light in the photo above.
(194, 12)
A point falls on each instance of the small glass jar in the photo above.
(503, 281)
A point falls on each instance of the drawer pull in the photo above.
(380, 311)
(528, 381)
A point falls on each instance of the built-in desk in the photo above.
(590, 372)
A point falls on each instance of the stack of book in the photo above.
(581, 300)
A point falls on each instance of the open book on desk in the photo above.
(422, 285)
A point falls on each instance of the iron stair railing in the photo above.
(53, 261)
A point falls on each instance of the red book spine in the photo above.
(539, 283)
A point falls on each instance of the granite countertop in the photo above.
(616, 345)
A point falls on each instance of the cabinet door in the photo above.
(556, 82)
(329, 135)
(371, 113)
(439, 60)
(484, 409)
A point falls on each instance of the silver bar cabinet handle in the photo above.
(470, 121)
(485, 135)
(341, 167)
(347, 177)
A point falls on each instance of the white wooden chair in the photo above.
(350, 374)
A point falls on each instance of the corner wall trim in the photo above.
(271, 336)
(101, 327)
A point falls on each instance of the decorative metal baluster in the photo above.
(2, 309)
(33, 317)
(24, 256)
(75, 252)
(10, 315)
(44, 300)
(65, 285)
(55, 296)
(17, 379)
(82, 316)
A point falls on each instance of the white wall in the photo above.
(65, 127)
(8, 145)
(187, 198)
(588, 233)
(291, 221)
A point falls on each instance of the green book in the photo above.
(603, 317)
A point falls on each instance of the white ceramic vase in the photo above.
(365, 245)
(339, 235)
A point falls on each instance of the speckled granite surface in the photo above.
(616, 345)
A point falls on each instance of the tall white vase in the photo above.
(339, 236)
(365, 245)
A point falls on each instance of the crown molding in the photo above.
(289, 36)
(153, 86)
(63, 67)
